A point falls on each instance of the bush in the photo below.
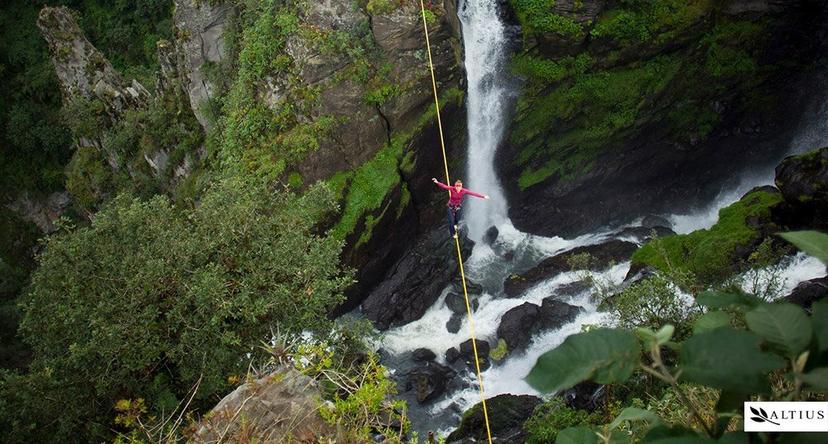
(150, 298)
(651, 303)
(553, 416)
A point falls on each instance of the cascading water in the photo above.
(485, 42)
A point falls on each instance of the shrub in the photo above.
(150, 298)
(553, 416)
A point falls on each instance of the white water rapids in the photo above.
(489, 94)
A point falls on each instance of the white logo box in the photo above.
(786, 417)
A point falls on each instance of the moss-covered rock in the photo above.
(716, 253)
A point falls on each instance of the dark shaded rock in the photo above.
(491, 235)
(518, 325)
(452, 355)
(643, 234)
(602, 254)
(808, 292)
(584, 396)
(456, 303)
(416, 281)
(554, 313)
(507, 413)
(467, 351)
(454, 322)
(429, 381)
(515, 325)
(471, 287)
(653, 221)
(803, 181)
(573, 288)
(638, 272)
(423, 355)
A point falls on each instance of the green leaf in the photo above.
(664, 334)
(721, 300)
(728, 359)
(813, 243)
(604, 355)
(673, 435)
(635, 414)
(816, 378)
(711, 321)
(576, 435)
(784, 325)
(734, 438)
(729, 405)
(819, 317)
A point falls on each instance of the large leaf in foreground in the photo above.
(728, 359)
(819, 317)
(783, 325)
(813, 243)
(576, 435)
(603, 355)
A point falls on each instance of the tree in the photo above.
(151, 298)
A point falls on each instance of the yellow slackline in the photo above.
(456, 239)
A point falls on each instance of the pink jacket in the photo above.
(456, 197)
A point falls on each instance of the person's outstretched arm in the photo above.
(441, 185)
(472, 193)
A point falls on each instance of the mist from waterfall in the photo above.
(486, 43)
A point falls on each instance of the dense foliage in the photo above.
(152, 297)
(740, 348)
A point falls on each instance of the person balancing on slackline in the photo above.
(456, 194)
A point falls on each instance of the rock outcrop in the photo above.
(507, 413)
(429, 381)
(808, 292)
(82, 71)
(415, 282)
(518, 325)
(199, 30)
(803, 181)
(600, 257)
(280, 407)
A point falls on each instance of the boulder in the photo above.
(491, 235)
(415, 282)
(467, 353)
(518, 325)
(644, 234)
(282, 406)
(429, 381)
(423, 355)
(808, 292)
(457, 303)
(452, 355)
(573, 288)
(602, 256)
(454, 322)
(507, 413)
(803, 181)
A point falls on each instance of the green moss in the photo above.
(658, 21)
(295, 179)
(500, 351)
(708, 254)
(370, 184)
(553, 416)
(536, 16)
(550, 71)
(596, 107)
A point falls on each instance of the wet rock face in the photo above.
(518, 325)
(82, 70)
(808, 292)
(803, 181)
(602, 256)
(199, 28)
(429, 381)
(415, 282)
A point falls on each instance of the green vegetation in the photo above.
(777, 351)
(536, 17)
(708, 254)
(553, 416)
(662, 21)
(152, 297)
(596, 106)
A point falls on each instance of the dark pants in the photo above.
(453, 218)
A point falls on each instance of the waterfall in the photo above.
(485, 42)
